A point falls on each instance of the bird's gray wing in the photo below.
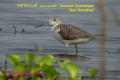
(70, 32)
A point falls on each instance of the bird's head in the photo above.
(55, 20)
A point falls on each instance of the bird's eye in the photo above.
(54, 19)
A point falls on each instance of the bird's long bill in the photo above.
(41, 25)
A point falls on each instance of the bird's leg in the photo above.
(67, 48)
(76, 49)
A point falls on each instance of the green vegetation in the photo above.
(44, 64)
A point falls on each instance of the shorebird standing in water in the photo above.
(69, 34)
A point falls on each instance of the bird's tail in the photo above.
(99, 35)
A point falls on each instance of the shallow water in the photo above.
(27, 18)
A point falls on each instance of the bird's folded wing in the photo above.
(70, 32)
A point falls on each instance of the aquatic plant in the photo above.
(45, 64)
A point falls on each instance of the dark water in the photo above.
(27, 18)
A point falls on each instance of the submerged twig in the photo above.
(0, 29)
(23, 30)
(6, 62)
(37, 50)
(15, 30)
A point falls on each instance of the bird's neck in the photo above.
(54, 26)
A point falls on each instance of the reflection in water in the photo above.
(72, 57)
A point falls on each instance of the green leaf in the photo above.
(18, 66)
(50, 71)
(67, 61)
(47, 59)
(14, 59)
(62, 64)
(29, 58)
(72, 69)
(92, 73)
(38, 78)
(35, 68)
(2, 75)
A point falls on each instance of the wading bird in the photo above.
(69, 34)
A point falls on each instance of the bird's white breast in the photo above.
(56, 33)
